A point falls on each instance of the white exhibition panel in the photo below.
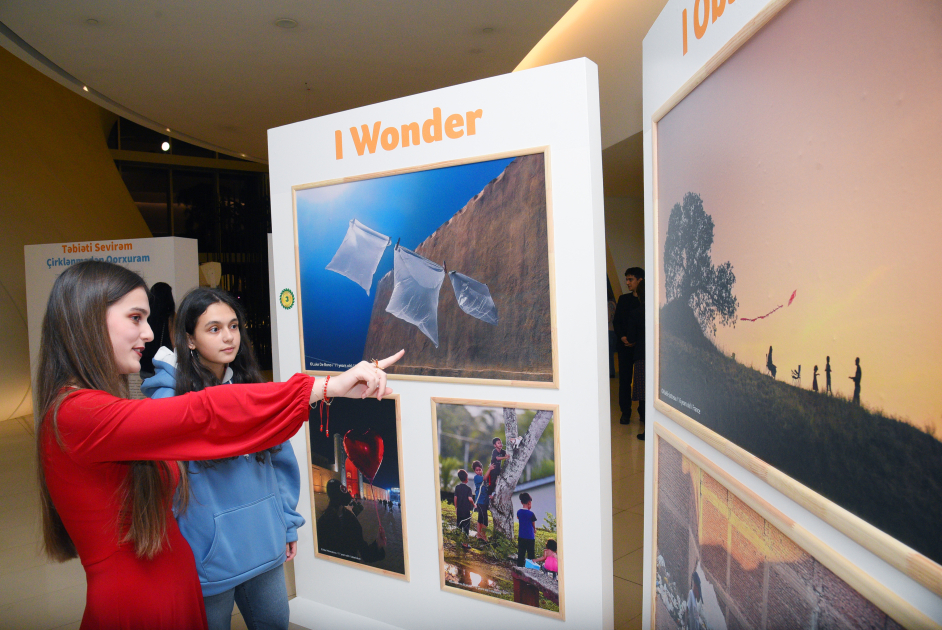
(554, 107)
(666, 69)
(169, 259)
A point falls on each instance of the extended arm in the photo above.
(214, 423)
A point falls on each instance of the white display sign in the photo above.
(540, 126)
(169, 259)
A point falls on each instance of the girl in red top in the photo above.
(108, 467)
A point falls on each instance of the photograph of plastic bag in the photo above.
(489, 219)
(418, 282)
(473, 297)
(359, 254)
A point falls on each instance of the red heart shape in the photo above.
(365, 449)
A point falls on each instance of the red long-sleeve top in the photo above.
(100, 435)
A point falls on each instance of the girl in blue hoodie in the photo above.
(241, 522)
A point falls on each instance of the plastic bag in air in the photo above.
(359, 254)
(417, 282)
(473, 297)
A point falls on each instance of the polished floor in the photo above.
(37, 594)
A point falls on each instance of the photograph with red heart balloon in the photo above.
(499, 521)
(356, 492)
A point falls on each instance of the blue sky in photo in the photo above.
(408, 207)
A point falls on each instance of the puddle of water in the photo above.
(475, 575)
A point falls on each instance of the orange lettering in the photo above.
(700, 29)
(453, 126)
(685, 30)
(367, 141)
(338, 144)
(471, 116)
(393, 138)
(432, 128)
(413, 129)
(718, 7)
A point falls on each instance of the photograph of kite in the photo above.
(373, 253)
(356, 488)
(797, 234)
(500, 533)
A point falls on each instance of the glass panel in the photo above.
(179, 147)
(194, 207)
(149, 189)
(137, 138)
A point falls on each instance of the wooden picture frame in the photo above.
(781, 545)
(319, 475)
(900, 555)
(509, 361)
(521, 589)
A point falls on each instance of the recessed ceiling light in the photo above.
(91, 22)
(286, 23)
(488, 30)
(85, 87)
(168, 129)
(165, 146)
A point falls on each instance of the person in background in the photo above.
(481, 500)
(160, 320)
(498, 455)
(339, 533)
(108, 467)
(626, 354)
(634, 339)
(239, 557)
(612, 341)
(550, 559)
(464, 504)
(526, 532)
(693, 610)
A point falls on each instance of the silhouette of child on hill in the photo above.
(856, 378)
(768, 363)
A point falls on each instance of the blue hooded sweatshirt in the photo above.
(241, 512)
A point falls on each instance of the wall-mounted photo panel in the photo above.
(797, 234)
(724, 558)
(357, 494)
(500, 528)
(450, 262)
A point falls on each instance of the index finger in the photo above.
(384, 363)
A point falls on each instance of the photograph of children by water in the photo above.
(358, 499)
(798, 237)
(499, 512)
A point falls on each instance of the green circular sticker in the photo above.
(287, 299)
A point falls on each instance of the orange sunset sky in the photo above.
(817, 150)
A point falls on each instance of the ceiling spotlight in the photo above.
(168, 129)
(85, 87)
(165, 146)
(91, 22)
(286, 23)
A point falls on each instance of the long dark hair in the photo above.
(191, 374)
(160, 319)
(75, 351)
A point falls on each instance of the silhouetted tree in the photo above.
(690, 275)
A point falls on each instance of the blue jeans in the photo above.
(262, 600)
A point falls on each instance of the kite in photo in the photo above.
(753, 319)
